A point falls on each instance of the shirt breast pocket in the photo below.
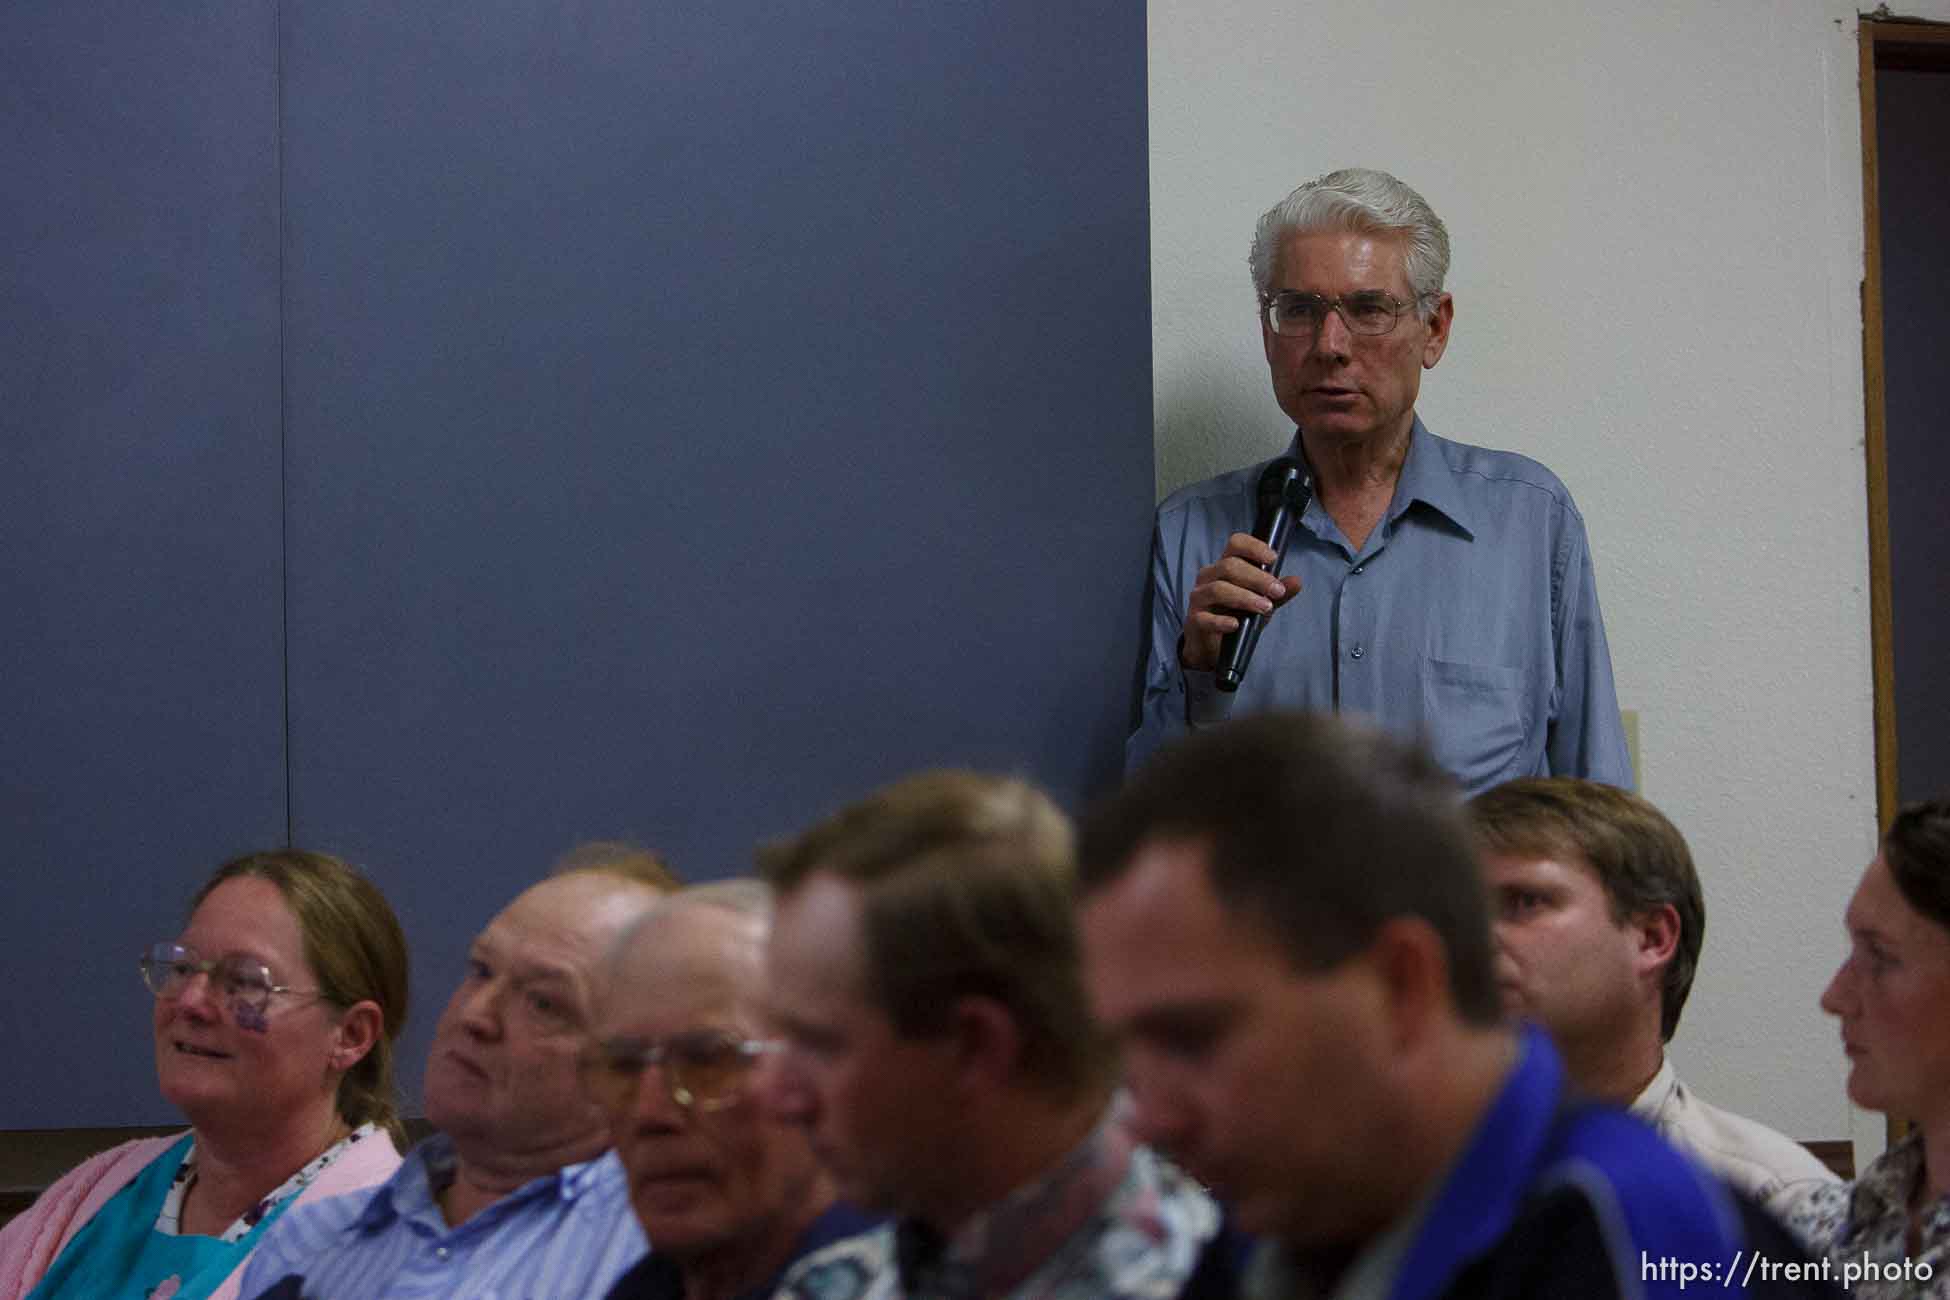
(1476, 718)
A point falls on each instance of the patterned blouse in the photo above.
(1863, 1228)
(1112, 1221)
(169, 1220)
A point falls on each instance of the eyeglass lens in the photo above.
(703, 1070)
(168, 968)
(1303, 313)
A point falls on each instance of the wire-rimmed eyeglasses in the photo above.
(1292, 314)
(703, 1070)
(168, 968)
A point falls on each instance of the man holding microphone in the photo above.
(1443, 590)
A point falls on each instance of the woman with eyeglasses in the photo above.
(277, 1010)
(1887, 1234)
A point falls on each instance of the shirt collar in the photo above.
(1277, 1272)
(169, 1218)
(1459, 1214)
(1426, 478)
(840, 1220)
(1655, 1096)
(1479, 1198)
(427, 1169)
(1004, 1244)
(1885, 1186)
(414, 1191)
(657, 1277)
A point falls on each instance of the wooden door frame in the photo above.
(1910, 46)
(1906, 46)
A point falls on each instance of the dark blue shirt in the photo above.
(1554, 1198)
(657, 1277)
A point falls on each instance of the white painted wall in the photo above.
(1656, 214)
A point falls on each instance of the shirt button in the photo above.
(441, 1252)
(1359, 567)
(1357, 652)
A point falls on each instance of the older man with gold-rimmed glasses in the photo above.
(728, 1195)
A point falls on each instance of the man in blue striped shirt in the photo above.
(517, 1195)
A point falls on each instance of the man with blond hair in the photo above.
(941, 1056)
(1599, 920)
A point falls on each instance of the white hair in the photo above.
(743, 895)
(748, 899)
(1366, 201)
(749, 904)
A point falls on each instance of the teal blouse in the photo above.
(119, 1254)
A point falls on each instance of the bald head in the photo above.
(501, 1079)
(719, 1184)
(591, 909)
(702, 945)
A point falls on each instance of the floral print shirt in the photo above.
(169, 1220)
(1112, 1221)
(1863, 1227)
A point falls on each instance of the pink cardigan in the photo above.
(29, 1244)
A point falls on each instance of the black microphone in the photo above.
(1285, 487)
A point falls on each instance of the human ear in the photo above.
(1658, 935)
(1440, 321)
(987, 1041)
(358, 1028)
(1413, 965)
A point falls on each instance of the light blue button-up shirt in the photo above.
(1469, 620)
(571, 1233)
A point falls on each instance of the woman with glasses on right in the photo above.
(1888, 1232)
(277, 1007)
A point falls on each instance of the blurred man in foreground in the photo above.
(923, 970)
(1283, 921)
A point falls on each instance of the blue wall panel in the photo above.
(630, 422)
(141, 693)
(699, 414)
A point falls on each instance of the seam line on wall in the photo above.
(284, 462)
